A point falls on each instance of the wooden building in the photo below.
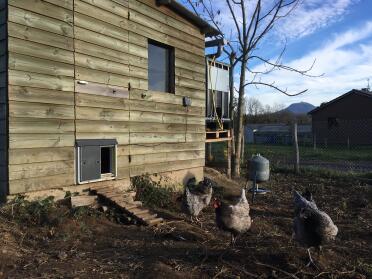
(346, 120)
(95, 91)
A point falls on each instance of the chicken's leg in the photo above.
(311, 261)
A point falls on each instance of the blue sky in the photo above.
(337, 33)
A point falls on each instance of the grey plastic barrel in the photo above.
(259, 168)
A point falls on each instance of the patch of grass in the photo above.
(31, 213)
(154, 193)
(285, 152)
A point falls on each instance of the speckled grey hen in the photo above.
(312, 227)
(196, 199)
(233, 218)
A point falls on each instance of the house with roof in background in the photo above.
(344, 120)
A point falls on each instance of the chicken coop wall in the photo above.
(78, 69)
(3, 100)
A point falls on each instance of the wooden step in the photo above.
(154, 222)
(137, 211)
(148, 217)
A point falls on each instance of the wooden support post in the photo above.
(296, 150)
(228, 171)
(209, 152)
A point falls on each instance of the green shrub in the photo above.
(154, 193)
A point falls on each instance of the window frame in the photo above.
(171, 66)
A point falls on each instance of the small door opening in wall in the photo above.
(107, 160)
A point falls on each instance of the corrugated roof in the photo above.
(354, 91)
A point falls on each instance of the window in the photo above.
(96, 160)
(332, 122)
(161, 67)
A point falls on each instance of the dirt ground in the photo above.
(89, 244)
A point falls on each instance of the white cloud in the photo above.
(346, 61)
(311, 15)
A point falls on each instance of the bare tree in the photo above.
(251, 22)
(253, 106)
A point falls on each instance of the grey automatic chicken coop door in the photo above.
(90, 159)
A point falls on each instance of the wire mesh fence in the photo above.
(341, 146)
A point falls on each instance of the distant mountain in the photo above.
(299, 108)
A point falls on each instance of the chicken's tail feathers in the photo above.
(243, 196)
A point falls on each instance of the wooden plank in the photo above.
(189, 74)
(44, 8)
(165, 166)
(123, 161)
(25, 171)
(102, 90)
(100, 40)
(3, 17)
(78, 201)
(3, 28)
(41, 140)
(37, 110)
(160, 148)
(40, 183)
(36, 20)
(37, 155)
(3, 96)
(67, 4)
(122, 138)
(86, 126)
(158, 14)
(189, 83)
(123, 172)
(39, 95)
(188, 65)
(168, 12)
(37, 65)
(101, 64)
(3, 78)
(101, 52)
(88, 113)
(146, 159)
(41, 51)
(96, 11)
(141, 19)
(138, 105)
(41, 80)
(162, 97)
(40, 126)
(87, 100)
(101, 27)
(163, 127)
(101, 77)
(190, 92)
(140, 138)
(182, 56)
(39, 36)
(120, 9)
(159, 117)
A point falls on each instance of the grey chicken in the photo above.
(233, 218)
(197, 198)
(312, 227)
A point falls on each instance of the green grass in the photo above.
(285, 152)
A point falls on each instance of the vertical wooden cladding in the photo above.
(3, 101)
(41, 94)
(53, 44)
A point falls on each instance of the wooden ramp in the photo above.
(125, 201)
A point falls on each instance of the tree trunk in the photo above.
(239, 124)
(296, 151)
(231, 113)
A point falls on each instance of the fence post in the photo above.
(296, 150)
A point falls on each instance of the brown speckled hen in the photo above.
(312, 227)
(233, 218)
